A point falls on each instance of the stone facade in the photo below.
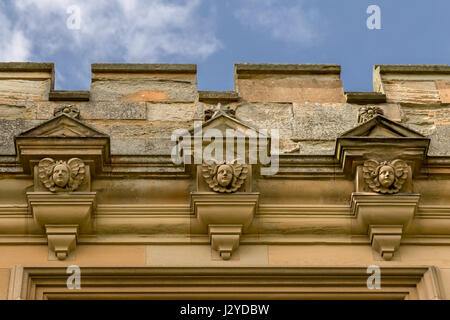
(87, 179)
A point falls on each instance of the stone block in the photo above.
(13, 109)
(11, 128)
(268, 116)
(24, 89)
(444, 91)
(440, 142)
(141, 146)
(289, 83)
(420, 120)
(170, 111)
(412, 92)
(113, 111)
(323, 122)
(291, 90)
(143, 90)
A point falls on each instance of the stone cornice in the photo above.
(68, 95)
(142, 68)
(287, 282)
(276, 68)
(413, 69)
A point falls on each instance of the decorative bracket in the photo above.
(62, 216)
(383, 218)
(385, 239)
(62, 239)
(224, 217)
(224, 239)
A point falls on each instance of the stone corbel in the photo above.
(383, 218)
(385, 239)
(224, 217)
(224, 239)
(62, 239)
(62, 216)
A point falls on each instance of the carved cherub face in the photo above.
(224, 175)
(386, 176)
(61, 175)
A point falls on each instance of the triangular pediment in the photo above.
(222, 122)
(381, 127)
(63, 126)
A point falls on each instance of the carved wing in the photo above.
(401, 173)
(240, 174)
(78, 172)
(370, 175)
(45, 169)
(208, 172)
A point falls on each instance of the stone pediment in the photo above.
(62, 126)
(62, 138)
(222, 122)
(381, 127)
(380, 139)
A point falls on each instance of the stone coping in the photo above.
(411, 68)
(218, 96)
(365, 97)
(68, 95)
(27, 67)
(287, 68)
(143, 68)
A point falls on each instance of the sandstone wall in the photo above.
(139, 106)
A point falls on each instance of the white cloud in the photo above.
(14, 46)
(110, 30)
(295, 23)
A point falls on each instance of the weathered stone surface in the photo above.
(113, 110)
(411, 92)
(444, 91)
(323, 122)
(11, 128)
(307, 147)
(142, 90)
(12, 110)
(45, 110)
(268, 116)
(170, 111)
(420, 120)
(442, 116)
(142, 146)
(440, 142)
(289, 89)
(138, 128)
(20, 89)
(391, 111)
(316, 147)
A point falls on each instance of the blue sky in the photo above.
(215, 34)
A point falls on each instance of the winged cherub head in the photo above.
(225, 177)
(385, 177)
(61, 175)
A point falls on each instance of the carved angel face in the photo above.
(386, 176)
(61, 175)
(224, 175)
